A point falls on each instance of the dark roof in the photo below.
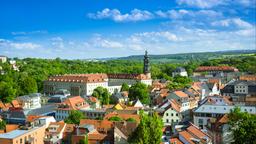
(179, 69)
(44, 110)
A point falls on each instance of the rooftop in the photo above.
(216, 68)
(16, 133)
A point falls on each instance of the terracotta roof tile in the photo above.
(74, 103)
(11, 127)
(196, 132)
(216, 68)
(175, 141)
(187, 136)
(79, 78)
(181, 94)
(99, 124)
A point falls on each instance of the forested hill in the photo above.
(184, 57)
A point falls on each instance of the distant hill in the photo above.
(183, 57)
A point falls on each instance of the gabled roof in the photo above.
(195, 131)
(60, 124)
(99, 124)
(187, 136)
(175, 141)
(216, 68)
(75, 102)
(170, 104)
(137, 103)
(180, 94)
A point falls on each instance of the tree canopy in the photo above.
(74, 117)
(125, 87)
(2, 124)
(179, 82)
(243, 126)
(102, 94)
(149, 130)
(115, 118)
(139, 91)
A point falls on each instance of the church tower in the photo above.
(146, 69)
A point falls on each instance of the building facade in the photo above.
(84, 84)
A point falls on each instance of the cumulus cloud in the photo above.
(182, 13)
(205, 4)
(116, 15)
(235, 22)
(17, 45)
(201, 3)
(100, 42)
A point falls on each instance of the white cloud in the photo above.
(180, 14)
(17, 45)
(100, 42)
(30, 32)
(116, 15)
(235, 22)
(56, 39)
(156, 36)
(205, 4)
(201, 3)
(26, 45)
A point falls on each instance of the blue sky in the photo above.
(112, 28)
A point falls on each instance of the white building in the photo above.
(32, 101)
(214, 107)
(3, 59)
(179, 71)
(170, 112)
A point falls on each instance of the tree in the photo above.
(148, 131)
(139, 91)
(243, 126)
(74, 117)
(27, 85)
(102, 94)
(115, 118)
(125, 87)
(7, 92)
(2, 125)
(131, 120)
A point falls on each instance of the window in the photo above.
(177, 114)
(172, 114)
(167, 120)
(166, 114)
(200, 121)
(21, 140)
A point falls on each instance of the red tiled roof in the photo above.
(61, 125)
(99, 124)
(187, 136)
(181, 94)
(74, 103)
(11, 127)
(175, 141)
(31, 118)
(128, 76)
(216, 68)
(196, 132)
(248, 77)
(79, 78)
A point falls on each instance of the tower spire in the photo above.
(146, 69)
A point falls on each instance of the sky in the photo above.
(84, 29)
